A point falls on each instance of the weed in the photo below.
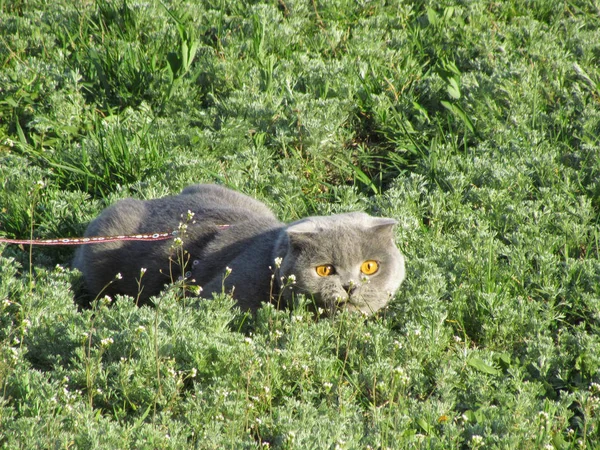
(474, 124)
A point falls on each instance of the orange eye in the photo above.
(369, 267)
(325, 270)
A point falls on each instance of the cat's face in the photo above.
(346, 261)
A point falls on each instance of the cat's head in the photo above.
(345, 261)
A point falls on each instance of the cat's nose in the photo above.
(350, 287)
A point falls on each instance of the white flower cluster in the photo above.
(106, 342)
(476, 441)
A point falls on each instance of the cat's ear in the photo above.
(302, 232)
(302, 227)
(383, 225)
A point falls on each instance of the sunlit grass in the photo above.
(475, 124)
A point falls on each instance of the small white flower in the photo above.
(193, 372)
(228, 270)
(457, 339)
(119, 276)
(278, 262)
(190, 215)
(194, 289)
(402, 376)
(477, 440)
(106, 342)
(327, 385)
(140, 329)
(142, 271)
(340, 444)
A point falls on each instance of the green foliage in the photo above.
(475, 124)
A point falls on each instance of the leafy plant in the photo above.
(474, 124)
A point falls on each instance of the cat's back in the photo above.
(210, 204)
(218, 212)
(215, 200)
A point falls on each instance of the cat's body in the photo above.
(234, 231)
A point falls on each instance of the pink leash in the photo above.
(91, 240)
(96, 239)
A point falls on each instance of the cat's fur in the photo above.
(249, 246)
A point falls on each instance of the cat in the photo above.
(234, 242)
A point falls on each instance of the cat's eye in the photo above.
(369, 267)
(325, 270)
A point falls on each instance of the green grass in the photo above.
(474, 123)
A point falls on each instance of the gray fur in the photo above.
(249, 246)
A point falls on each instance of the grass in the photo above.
(475, 124)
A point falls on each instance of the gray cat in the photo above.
(345, 261)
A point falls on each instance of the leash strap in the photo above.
(97, 239)
(91, 239)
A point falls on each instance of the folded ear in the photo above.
(301, 233)
(384, 221)
(302, 227)
(383, 225)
